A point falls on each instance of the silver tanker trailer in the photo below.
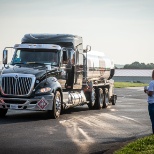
(52, 72)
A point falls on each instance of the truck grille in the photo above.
(17, 84)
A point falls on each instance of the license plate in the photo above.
(13, 106)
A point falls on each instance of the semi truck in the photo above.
(52, 72)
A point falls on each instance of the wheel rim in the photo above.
(58, 103)
(93, 97)
(107, 98)
(101, 97)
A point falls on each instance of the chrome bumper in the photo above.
(39, 103)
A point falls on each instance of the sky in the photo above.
(122, 29)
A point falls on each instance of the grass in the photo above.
(140, 146)
(128, 84)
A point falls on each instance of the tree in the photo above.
(137, 65)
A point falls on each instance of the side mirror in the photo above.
(5, 55)
(88, 48)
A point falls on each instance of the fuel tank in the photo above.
(99, 66)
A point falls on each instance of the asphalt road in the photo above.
(78, 130)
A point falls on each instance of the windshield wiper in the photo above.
(19, 63)
(28, 63)
(35, 63)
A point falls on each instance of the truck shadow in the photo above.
(28, 116)
(18, 117)
(76, 109)
(14, 116)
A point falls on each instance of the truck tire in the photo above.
(3, 112)
(91, 98)
(57, 106)
(99, 98)
(106, 98)
(114, 100)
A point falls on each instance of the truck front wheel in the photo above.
(57, 106)
(3, 112)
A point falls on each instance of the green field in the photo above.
(141, 146)
(128, 84)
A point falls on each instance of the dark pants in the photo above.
(151, 114)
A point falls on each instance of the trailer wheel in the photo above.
(106, 98)
(99, 98)
(3, 112)
(114, 100)
(92, 98)
(57, 106)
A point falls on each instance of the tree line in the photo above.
(137, 65)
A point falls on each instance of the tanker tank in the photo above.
(99, 66)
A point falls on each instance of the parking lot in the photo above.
(78, 130)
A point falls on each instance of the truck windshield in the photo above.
(44, 56)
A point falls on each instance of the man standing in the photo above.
(150, 92)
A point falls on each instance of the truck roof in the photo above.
(36, 46)
(59, 39)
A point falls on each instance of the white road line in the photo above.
(131, 119)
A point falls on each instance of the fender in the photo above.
(51, 82)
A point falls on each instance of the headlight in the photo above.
(43, 90)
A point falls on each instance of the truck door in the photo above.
(70, 69)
